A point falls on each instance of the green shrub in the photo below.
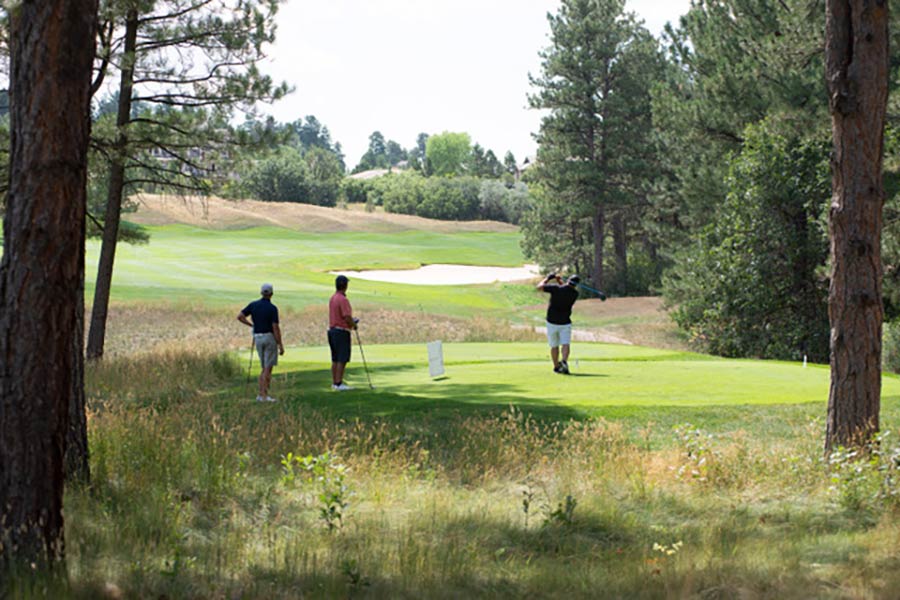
(356, 191)
(313, 177)
(453, 199)
(752, 284)
(401, 193)
(281, 177)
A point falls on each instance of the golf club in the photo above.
(363, 354)
(250, 366)
(600, 294)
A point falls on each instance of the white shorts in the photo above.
(559, 335)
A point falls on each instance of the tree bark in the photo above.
(51, 55)
(620, 241)
(100, 308)
(856, 54)
(598, 231)
(652, 250)
(77, 456)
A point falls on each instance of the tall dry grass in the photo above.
(147, 328)
(191, 498)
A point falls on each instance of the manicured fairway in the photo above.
(603, 376)
(217, 267)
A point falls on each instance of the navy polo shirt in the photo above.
(263, 314)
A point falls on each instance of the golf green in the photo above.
(603, 375)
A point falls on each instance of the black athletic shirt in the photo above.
(562, 297)
(263, 313)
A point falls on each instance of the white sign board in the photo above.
(435, 359)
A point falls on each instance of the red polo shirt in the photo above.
(339, 310)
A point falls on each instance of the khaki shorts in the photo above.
(267, 349)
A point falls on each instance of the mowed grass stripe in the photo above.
(350, 250)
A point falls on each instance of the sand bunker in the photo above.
(446, 274)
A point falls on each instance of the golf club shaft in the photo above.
(363, 354)
(590, 289)
(250, 366)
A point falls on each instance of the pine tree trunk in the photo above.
(598, 230)
(51, 55)
(100, 307)
(77, 457)
(652, 250)
(857, 71)
(620, 241)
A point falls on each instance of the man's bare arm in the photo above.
(276, 330)
(548, 279)
(243, 319)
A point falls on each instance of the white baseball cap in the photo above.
(266, 288)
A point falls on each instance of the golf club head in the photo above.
(602, 297)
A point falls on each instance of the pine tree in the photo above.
(174, 107)
(594, 144)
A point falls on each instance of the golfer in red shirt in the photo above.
(340, 322)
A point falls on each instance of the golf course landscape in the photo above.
(649, 472)
(555, 299)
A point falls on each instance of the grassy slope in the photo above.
(226, 267)
(216, 213)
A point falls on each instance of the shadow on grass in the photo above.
(444, 398)
(311, 388)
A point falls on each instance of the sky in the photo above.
(403, 67)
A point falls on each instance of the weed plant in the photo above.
(197, 493)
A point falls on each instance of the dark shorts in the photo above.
(339, 340)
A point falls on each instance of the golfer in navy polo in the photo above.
(266, 336)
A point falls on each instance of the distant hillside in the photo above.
(217, 213)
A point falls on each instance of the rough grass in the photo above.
(642, 321)
(218, 213)
(144, 327)
(190, 499)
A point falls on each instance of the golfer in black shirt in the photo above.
(559, 317)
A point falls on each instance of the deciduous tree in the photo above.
(448, 152)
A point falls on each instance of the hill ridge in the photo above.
(219, 213)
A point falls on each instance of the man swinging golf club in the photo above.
(266, 337)
(340, 323)
(559, 317)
